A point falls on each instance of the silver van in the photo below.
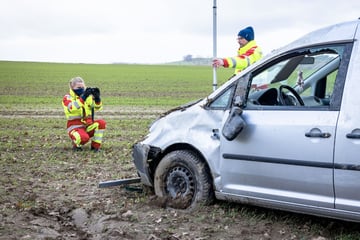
(283, 134)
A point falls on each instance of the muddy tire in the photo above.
(183, 180)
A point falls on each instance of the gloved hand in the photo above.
(96, 94)
(218, 62)
(86, 94)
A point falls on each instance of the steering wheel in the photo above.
(285, 99)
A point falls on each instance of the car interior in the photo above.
(301, 79)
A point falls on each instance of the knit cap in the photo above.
(247, 33)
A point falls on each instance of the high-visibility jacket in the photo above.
(247, 55)
(77, 111)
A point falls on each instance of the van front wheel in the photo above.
(183, 180)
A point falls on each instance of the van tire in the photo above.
(182, 180)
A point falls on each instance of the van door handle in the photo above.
(353, 135)
(317, 135)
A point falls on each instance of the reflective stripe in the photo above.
(97, 139)
(99, 131)
(77, 139)
(98, 135)
(93, 126)
(233, 62)
(75, 104)
(74, 117)
(69, 129)
(248, 60)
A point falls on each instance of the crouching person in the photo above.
(79, 107)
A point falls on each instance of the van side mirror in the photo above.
(234, 124)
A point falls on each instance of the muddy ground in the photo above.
(49, 192)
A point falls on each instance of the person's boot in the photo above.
(96, 150)
(77, 149)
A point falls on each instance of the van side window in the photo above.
(301, 79)
(223, 101)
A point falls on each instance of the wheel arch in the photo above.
(180, 146)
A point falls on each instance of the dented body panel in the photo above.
(196, 127)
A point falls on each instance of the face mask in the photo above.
(78, 91)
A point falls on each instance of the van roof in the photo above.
(340, 32)
(344, 31)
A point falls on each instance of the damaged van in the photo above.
(283, 134)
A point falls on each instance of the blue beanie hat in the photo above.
(247, 33)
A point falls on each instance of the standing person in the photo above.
(79, 106)
(248, 52)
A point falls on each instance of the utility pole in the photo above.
(214, 45)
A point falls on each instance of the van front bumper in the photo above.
(142, 153)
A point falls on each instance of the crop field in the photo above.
(47, 191)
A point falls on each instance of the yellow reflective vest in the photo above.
(78, 111)
(247, 55)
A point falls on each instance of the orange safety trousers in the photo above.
(93, 130)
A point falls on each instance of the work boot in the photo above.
(77, 149)
(96, 150)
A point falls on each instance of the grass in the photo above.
(35, 149)
(121, 85)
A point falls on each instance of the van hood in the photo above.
(181, 108)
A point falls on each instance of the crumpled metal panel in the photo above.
(195, 126)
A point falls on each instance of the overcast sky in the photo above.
(154, 31)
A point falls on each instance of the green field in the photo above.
(25, 83)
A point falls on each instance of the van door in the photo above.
(285, 153)
(273, 159)
(347, 150)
